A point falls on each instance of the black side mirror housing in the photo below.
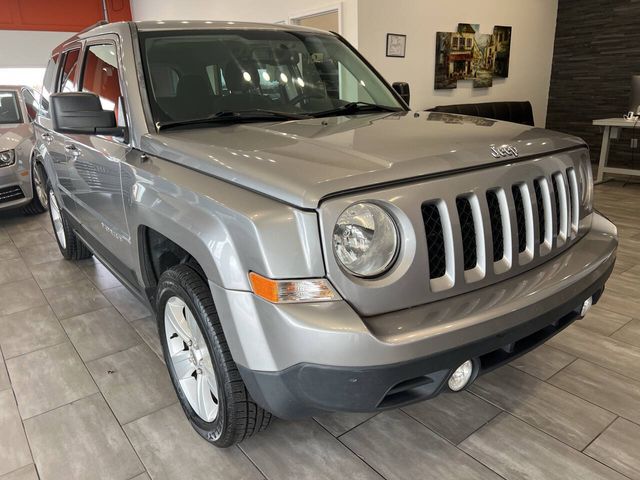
(82, 113)
(402, 89)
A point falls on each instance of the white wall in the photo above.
(244, 10)
(532, 40)
(28, 48)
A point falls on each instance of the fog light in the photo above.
(461, 376)
(586, 306)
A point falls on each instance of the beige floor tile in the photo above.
(570, 419)
(453, 416)
(147, 328)
(98, 274)
(4, 376)
(617, 448)
(14, 450)
(48, 378)
(20, 296)
(134, 382)
(41, 253)
(127, 304)
(518, 451)
(31, 237)
(81, 440)
(100, 333)
(25, 473)
(543, 362)
(75, 299)
(8, 251)
(56, 273)
(30, 330)
(170, 449)
(399, 448)
(13, 271)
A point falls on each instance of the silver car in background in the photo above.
(21, 178)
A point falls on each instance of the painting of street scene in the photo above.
(467, 54)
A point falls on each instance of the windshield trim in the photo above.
(16, 99)
(145, 81)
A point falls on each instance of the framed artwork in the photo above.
(396, 45)
(467, 54)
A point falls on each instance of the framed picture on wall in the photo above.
(396, 45)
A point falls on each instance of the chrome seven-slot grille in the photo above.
(522, 225)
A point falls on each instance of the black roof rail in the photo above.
(97, 24)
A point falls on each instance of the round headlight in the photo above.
(365, 240)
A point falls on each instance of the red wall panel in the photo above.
(59, 15)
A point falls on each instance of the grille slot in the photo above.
(435, 240)
(541, 211)
(574, 195)
(562, 207)
(468, 229)
(521, 222)
(9, 194)
(497, 229)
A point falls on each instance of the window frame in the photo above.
(108, 40)
(63, 61)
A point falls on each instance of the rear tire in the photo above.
(40, 201)
(199, 360)
(70, 245)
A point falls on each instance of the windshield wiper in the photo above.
(230, 116)
(356, 107)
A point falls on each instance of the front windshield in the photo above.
(9, 109)
(198, 74)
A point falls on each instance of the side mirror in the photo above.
(402, 88)
(80, 112)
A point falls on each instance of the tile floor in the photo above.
(84, 394)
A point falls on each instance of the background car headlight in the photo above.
(365, 240)
(7, 158)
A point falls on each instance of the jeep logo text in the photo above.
(504, 151)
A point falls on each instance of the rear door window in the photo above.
(100, 76)
(69, 76)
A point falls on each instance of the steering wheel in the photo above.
(305, 96)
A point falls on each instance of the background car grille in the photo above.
(9, 194)
(519, 214)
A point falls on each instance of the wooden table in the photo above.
(612, 127)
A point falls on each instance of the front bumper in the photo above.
(15, 187)
(299, 360)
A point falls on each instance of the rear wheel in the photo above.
(206, 379)
(40, 200)
(70, 245)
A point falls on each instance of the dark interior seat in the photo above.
(517, 112)
(243, 83)
(194, 99)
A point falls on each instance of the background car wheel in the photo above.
(206, 379)
(70, 245)
(40, 201)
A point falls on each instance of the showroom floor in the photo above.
(85, 395)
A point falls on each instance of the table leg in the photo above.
(604, 153)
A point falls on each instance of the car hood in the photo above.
(12, 134)
(301, 162)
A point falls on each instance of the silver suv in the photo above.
(309, 244)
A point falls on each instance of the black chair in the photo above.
(517, 112)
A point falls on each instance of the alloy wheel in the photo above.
(191, 359)
(56, 217)
(40, 187)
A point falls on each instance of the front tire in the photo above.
(70, 245)
(207, 381)
(40, 201)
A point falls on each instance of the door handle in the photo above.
(72, 150)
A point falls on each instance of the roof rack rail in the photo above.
(97, 24)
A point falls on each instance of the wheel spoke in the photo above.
(182, 364)
(174, 314)
(206, 405)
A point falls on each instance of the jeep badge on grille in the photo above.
(504, 151)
